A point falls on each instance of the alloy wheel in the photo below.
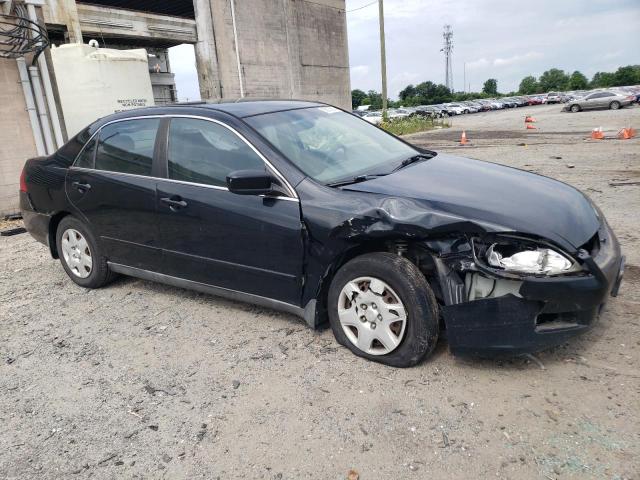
(372, 315)
(76, 253)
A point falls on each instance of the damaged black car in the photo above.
(308, 209)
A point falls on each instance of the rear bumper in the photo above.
(547, 313)
(37, 224)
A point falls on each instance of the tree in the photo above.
(357, 97)
(408, 92)
(629, 75)
(577, 81)
(602, 80)
(376, 99)
(529, 85)
(553, 79)
(490, 87)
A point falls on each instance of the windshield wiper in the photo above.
(358, 179)
(416, 158)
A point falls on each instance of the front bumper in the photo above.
(547, 312)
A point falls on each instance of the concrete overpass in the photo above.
(243, 48)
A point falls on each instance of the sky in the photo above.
(502, 39)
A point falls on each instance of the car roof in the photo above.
(237, 108)
(248, 108)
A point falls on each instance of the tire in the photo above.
(614, 105)
(72, 232)
(575, 108)
(412, 338)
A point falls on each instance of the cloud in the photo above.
(498, 39)
(498, 62)
(360, 70)
(480, 63)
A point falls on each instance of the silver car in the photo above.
(603, 100)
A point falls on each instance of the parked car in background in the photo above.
(304, 208)
(536, 99)
(485, 105)
(373, 117)
(600, 100)
(509, 102)
(445, 109)
(399, 113)
(521, 101)
(554, 97)
(455, 108)
(429, 111)
(470, 107)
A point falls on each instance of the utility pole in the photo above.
(383, 60)
(447, 48)
(464, 77)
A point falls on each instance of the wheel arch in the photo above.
(361, 248)
(53, 229)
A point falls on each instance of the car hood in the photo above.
(499, 198)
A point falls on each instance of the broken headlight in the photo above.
(534, 260)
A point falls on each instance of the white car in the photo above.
(454, 108)
(373, 117)
(553, 97)
(398, 113)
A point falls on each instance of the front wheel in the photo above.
(614, 105)
(80, 254)
(382, 308)
(575, 108)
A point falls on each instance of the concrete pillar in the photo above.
(65, 12)
(206, 54)
(6, 6)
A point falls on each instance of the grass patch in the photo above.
(415, 124)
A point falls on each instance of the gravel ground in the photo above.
(140, 380)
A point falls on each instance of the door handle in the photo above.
(82, 187)
(175, 203)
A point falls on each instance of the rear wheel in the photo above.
(80, 255)
(575, 108)
(382, 308)
(614, 105)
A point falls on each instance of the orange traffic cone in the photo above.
(626, 133)
(463, 138)
(529, 119)
(530, 127)
(596, 134)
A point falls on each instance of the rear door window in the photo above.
(205, 152)
(127, 146)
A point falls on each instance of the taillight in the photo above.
(23, 182)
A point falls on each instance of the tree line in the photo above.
(554, 79)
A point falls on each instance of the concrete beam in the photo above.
(96, 21)
(113, 22)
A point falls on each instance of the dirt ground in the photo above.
(140, 380)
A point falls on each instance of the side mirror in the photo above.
(250, 182)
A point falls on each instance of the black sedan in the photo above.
(306, 208)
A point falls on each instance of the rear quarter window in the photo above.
(66, 154)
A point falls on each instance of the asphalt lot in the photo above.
(140, 380)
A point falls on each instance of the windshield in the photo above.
(330, 145)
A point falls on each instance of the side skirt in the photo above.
(210, 289)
